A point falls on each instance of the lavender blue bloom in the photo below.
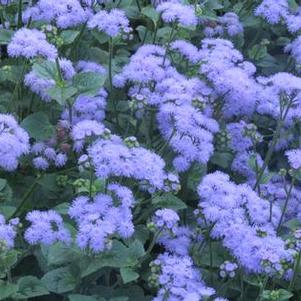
(65, 13)
(173, 12)
(30, 43)
(47, 227)
(101, 218)
(244, 223)
(113, 23)
(8, 231)
(14, 142)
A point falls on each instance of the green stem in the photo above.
(273, 144)
(59, 71)
(91, 182)
(296, 270)
(2, 18)
(155, 34)
(70, 111)
(169, 41)
(77, 40)
(288, 194)
(262, 288)
(20, 9)
(111, 49)
(138, 5)
(25, 197)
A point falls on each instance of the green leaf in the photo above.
(293, 224)
(151, 13)
(3, 183)
(38, 126)
(128, 275)
(267, 177)
(61, 94)
(58, 254)
(101, 37)
(222, 159)
(7, 211)
(82, 298)
(214, 4)
(7, 290)
(169, 200)
(59, 280)
(11, 73)
(46, 70)
(277, 295)
(5, 36)
(195, 175)
(8, 260)
(119, 299)
(29, 287)
(69, 36)
(88, 82)
(119, 256)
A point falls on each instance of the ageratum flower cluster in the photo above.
(150, 149)
(244, 222)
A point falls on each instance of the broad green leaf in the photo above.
(83, 298)
(3, 183)
(119, 256)
(277, 295)
(7, 290)
(69, 36)
(214, 4)
(60, 280)
(101, 37)
(195, 175)
(29, 287)
(222, 159)
(88, 82)
(8, 260)
(38, 126)
(128, 275)
(150, 12)
(5, 36)
(169, 200)
(61, 94)
(46, 70)
(12, 73)
(58, 254)
(7, 211)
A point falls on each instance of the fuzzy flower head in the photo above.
(104, 216)
(294, 48)
(272, 11)
(31, 43)
(231, 76)
(294, 158)
(228, 24)
(8, 232)
(173, 12)
(179, 278)
(113, 23)
(227, 269)
(165, 219)
(85, 130)
(47, 227)
(244, 223)
(45, 156)
(87, 107)
(14, 142)
(112, 157)
(65, 13)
